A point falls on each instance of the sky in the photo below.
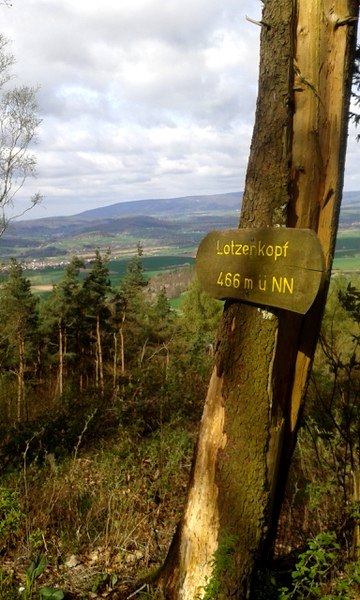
(138, 98)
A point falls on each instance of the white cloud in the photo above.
(139, 98)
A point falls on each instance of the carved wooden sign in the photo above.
(280, 267)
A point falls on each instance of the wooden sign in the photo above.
(278, 267)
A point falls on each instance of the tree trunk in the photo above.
(115, 362)
(99, 355)
(356, 502)
(122, 344)
(21, 409)
(61, 358)
(263, 357)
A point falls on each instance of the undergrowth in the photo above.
(89, 520)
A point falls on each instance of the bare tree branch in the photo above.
(18, 127)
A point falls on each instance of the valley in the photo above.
(169, 229)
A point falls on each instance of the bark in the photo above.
(100, 369)
(122, 344)
(115, 362)
(21, 408)
(61, 358)
(356, 502)
(263, 357)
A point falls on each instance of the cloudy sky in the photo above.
(139, 98)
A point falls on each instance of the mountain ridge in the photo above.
(170, 222)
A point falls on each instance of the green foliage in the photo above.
(18, 306)
(134, 275)
(317, 573)
(350, 301)
(37, 567)
(200, 313)
(314, 567)
(11, 515)
(355, 116)
(51, 594)
(97, 284)
(326, 461)
(8, 586)
(33, 572)
(90, 338)
(222, 564)
(36, 539)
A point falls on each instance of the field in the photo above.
(347, 254)
(347, 264)
(42, 280)
(347, 260)
(164, 260)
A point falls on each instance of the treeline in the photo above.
(118, 350)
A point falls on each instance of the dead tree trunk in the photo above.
(263, 357)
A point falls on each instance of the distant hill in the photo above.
(176, 223)
(169, 208)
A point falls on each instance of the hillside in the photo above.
(170, 223)
(174, 223)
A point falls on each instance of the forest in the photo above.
(102, 389)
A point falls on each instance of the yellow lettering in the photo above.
(278, 252)
(277, 284)
(289, 286)
(262, 284)
(282, 285)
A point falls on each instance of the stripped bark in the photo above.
(263, 357)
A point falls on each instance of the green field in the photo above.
(348, 263)
(347, 253)
(152, 266)
(176, 303)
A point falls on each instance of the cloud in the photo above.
(139, 98)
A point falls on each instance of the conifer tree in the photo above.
(96, 290)
(19, 318)
(64, 311)
(200, 314)
(129, 312)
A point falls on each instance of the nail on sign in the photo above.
(280, 267)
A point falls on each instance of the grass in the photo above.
(176, 303)
(113, 507)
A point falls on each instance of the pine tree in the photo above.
(200, 315)
(96, 291)
(64, 313)
(19, 318)
(130, 313)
